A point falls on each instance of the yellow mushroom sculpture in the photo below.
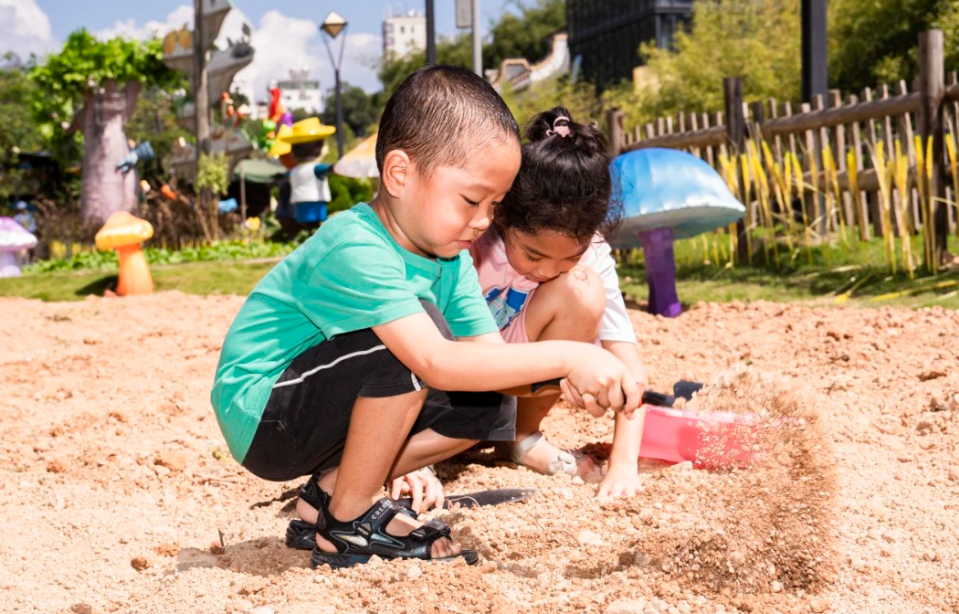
(124, 232)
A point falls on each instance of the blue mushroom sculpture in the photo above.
(667, 194)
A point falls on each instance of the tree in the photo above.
(877, 41)
(456, 51)
(18, 130)
(155, 121)
(359, 113)
(514, 36)
(758, 40)
(525, 35)
(92, 86)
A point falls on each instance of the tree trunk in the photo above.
(105, 189)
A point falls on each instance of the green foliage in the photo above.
(456, 51)
(580, 99)
(347, 192)
(17, 127)
(216, 252)
(948, 22)
(359, 112)
(526, 33)
(64, 78)
(877, 41)
(213, 174)
(756, 39)
(520, 35)
(155, 121)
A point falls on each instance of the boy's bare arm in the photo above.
(449, 365)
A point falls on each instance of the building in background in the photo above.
(605, 35)
(403, 34)
(300, 92)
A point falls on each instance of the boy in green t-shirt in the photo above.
(337, 364)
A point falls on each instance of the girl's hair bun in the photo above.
(564, 183)
(558, 128)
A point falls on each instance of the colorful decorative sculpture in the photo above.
(14, 238)
(124, 232)
(308, 179)
(668, 194)
(141, 153)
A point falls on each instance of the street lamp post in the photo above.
(332, 26)
(430, 33)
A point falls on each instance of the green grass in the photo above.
(833, 271)
(818, 284)
(715, 284)
(192, 278)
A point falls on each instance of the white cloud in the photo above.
(281, 43)
(178, 17)
(24, 28)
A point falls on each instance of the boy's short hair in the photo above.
(437, 113)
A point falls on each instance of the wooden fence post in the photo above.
(614, 118)
(736, 134)
(931, 91)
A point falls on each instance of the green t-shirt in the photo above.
(351, 275)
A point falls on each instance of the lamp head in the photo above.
(333, 24)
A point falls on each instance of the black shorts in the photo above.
(303, 428)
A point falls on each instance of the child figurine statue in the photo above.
(308, 179)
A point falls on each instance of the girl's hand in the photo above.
(621, 481)
(598, 382)
(422, 486)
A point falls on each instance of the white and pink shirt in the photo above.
(507, 292)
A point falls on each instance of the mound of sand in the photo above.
(117, 495)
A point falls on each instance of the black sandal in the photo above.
(360, 539)
(301, 534)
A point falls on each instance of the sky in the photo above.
(285, 32)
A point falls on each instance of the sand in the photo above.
(118, 495)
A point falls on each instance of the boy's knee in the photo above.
(437, 316)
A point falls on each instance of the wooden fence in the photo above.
(856, 150)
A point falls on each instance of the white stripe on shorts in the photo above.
(306, 374)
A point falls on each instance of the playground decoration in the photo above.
(360, 162)
(222, 67)
(308, 179)
(668, 194)
(283, 150)
(141, 153)
(92, 86)
(124, 232)
(168, 192)
(14, 238)
(280, 147)
(275, 111)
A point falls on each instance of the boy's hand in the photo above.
(599, 382)
(620, 481)
(422, 486)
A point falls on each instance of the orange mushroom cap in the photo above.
(122, 229)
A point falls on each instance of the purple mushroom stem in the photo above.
(661, 272)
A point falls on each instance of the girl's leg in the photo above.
(568, 308)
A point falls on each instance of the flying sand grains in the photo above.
(772, 516)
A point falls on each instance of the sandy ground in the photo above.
(116, 495)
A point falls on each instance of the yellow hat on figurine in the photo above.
(280, 147)
(306, 131)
